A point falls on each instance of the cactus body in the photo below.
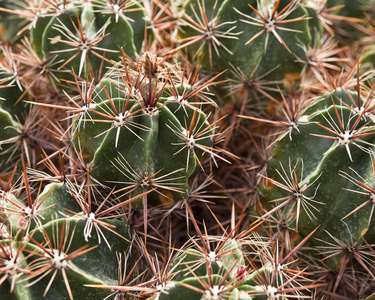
(110, 106)
(45, 244)
(8, 132)
(143, 144)
(242, 42)
(221, 275)
(86, 38)
(323, 170)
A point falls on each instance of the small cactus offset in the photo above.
(200, 149)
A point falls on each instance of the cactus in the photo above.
(14, 112)
(51, 231)
(11, 93)
(322, 172)
(254, 38)
(223, 275)
(350, 15)
(201, 149)
(87, 37)
(138, 135)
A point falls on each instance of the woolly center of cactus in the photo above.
(116, 9)
(134, 92)
(298, 195)
(214, 293)
(91, 217)
(272, 292)
(274, 267)
(27, 215)
(144, 183)
(27, 211)
(88, 226)
(180, 99)
(270, 25)
(212, 256)
(150, 110)
(209, 32)
(62, 8)
(363, 111)
(345, 138)
(164, 286)
(293, 125)
(85, 108)
(190, 141)
(11, 266)
(58, 260)
(36, 17)
(84, 46)
(120, 119)
(303, 119)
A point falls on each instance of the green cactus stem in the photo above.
(87, 37)
(141, 140)
(322, 172)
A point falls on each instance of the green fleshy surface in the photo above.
(322, 165)
(152, 151)
(77, 278)
(10, 95)
(148, 142)
(100, 262)
(120, 36)
(8, 128)
(179, 292)
(56, 200)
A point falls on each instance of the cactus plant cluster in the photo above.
(200, 149)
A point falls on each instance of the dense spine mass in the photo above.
(201, 149)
